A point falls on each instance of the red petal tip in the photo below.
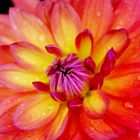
(41, 86)
(54, 50)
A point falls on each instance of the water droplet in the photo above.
(98, 14)
(128, 105)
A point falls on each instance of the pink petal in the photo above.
(84, 43)
(63, 16)
(41, 86)
(52, 49)
(35, 112)
(27, 5)
(109, 62)
(6, 33)
(131, 10)
(89, 64)
(28, 27)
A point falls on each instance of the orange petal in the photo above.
(6, 34)
(124, 113)
(5, 54)
(131, 10)
(30, 28)
(124, 81)
(72, 126)
(132, 53)
(65, 24)
(27, 5)
(35, 112)
(7, 108)
(100, 129)
(95, 104)
(84, 44)
(116, 39)
(96, 16)
(43, 10)
(18, 79)
(31, 57)
(58, 124)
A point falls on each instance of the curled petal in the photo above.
(41, 86)
(109, 62)
(89, 64)
(84, 43)
(35, 112)
(116, 39)
(63, 16)
(52, 49)
(95, 104)
(28, 27)
(58, 96)
(13, 77)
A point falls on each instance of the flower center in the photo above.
(68, 77)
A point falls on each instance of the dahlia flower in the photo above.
(70, 70)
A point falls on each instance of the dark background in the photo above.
(4, 5)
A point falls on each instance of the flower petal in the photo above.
(16, 78)
(5, 54)
(95, 104)
(96, 16)
(72, 126)
(7, 107)
(35, 112)
(27, 5)
(116, 39)
(123, 81)
(124, 114)
(59, 124)
(43, 10)
(63, 16)
(6, 35)
(84, 44)
(28, 27)
(109, 62)
(131, 10)
(132, 53)
(99, 129)
(31, 57)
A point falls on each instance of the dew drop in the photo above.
(98, 14)
(128, 105)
